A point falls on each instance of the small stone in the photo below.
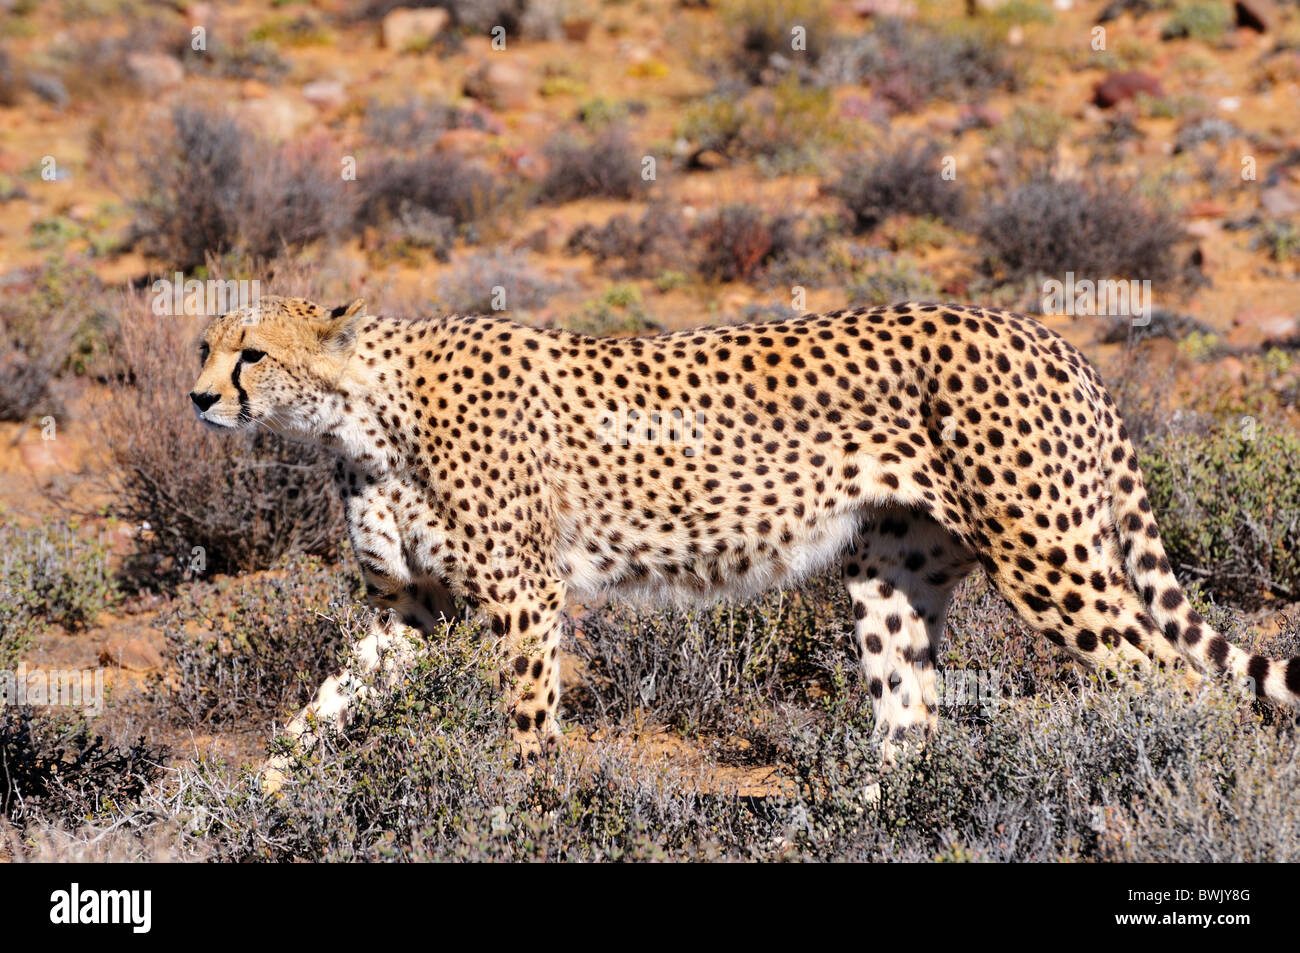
(154, 72)
(502, 85)
(132, 653)
(278, 116)
(1280, 201)
(404, 29)
(325, 94)
(1118, 87)
(464, 142)
(577, 29)
(48, 88)
(1207, 208)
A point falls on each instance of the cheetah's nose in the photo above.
(203, 401)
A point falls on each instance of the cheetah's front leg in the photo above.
(389, 645)
(391, 642)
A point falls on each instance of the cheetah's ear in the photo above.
(339, 329)
(357, 308)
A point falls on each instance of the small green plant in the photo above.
(1032, 127)
(1205, 21)
(909, 233)
(784, 129)
(301, 30)
(617, 311)
(669, 280)
(1280, 239)
(1199, 346)
(599, 112)
(889, 282)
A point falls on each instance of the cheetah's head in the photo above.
(273, 364)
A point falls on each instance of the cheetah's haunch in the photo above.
(511, 466)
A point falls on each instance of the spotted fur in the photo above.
(514, 467)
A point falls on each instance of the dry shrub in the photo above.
(208, 187)
(604, 165)
(765, 27)
(909, 64)
(658, 242)
(738, 241)
(266, 643)
(445, 185)
(1096, 228)
(244, 499)
(1229, 509)
(55, 768)
(51, 321)
(905, 179)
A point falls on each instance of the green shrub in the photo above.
(1205, 21)
(1280, 239)
(49, 574)
(784, 128)
(266, 642)
(889, 282)
(1228, 505)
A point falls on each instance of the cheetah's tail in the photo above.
(1148, 565)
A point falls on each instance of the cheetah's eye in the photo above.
(203, 353)
(251, 356)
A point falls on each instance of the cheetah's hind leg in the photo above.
(900, 575)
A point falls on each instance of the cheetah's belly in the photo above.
(673, 568)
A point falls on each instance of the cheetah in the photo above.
(515, 467)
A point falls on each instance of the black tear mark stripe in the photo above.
(244, 413)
